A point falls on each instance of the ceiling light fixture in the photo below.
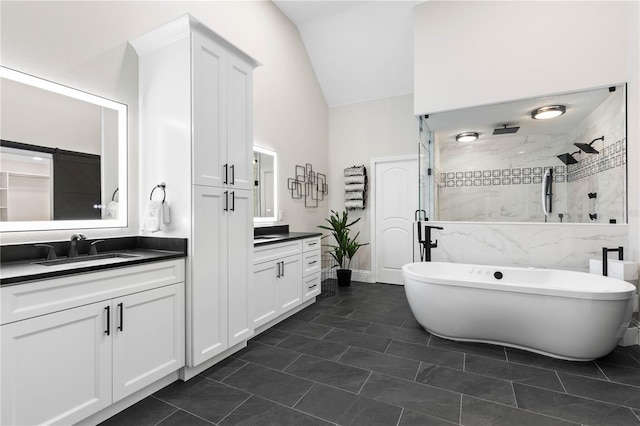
(467, 137)
(546, 112)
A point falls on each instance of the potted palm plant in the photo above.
(346, 246)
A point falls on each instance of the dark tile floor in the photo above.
(360, 358)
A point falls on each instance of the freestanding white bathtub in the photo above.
(563, 314)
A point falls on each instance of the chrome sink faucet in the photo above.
(73, 248)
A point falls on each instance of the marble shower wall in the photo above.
(556, 246)
(500, 179)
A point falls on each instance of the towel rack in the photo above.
(162, 186)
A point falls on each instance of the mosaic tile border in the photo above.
(613, 156)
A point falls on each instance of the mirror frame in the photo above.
(121, 110)
(273, 218)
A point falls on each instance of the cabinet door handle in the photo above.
(282, 268)
(233, 201)
(233, 174)
(108, 330)
(278, 270)
(121, 308)
(226, 173)
(226, 201)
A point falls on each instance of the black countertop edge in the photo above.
(29, 251)
(283, 237)
(270, 230)
(21, 272)
(17, 260)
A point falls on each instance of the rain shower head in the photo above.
(587, 148)
(568, 158)
(505, 130)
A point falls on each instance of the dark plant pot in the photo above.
(344, 277)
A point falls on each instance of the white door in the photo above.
(264, 293)
(56, 368)
(148, 338)
(207, 298)
(288, 282)
(396, 200)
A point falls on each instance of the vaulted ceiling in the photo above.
(360, 50)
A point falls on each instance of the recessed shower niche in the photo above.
(567, 169)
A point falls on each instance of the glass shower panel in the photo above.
(426, 172)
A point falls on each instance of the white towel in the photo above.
(354, 204)
(355, 171)
(112, 210)
(354, 187)
(355, 179)
(152, 216)
(354, 195)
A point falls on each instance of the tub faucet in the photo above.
(73, 247)
(427, 244)
(605, 259)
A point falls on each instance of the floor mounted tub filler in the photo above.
(562, 314)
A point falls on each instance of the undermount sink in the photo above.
(88, 259)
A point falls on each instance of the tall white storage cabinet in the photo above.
(196, 135)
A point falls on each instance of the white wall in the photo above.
(471, 53)
(359, 132)
(83, 44)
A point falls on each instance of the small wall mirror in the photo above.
(63, 162)
(265, 173)
(497, 163)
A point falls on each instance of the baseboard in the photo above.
(631, 335)
(362, 276)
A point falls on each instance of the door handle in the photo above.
(108, 330)
(282, 268)
(226, 201)
(278, 270)
(233, 201)
(121, 308)
(226, 173)
(233, 174)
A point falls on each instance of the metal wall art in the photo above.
(309, 185)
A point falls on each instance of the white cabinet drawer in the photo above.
(310, 262)
(22, 301)
(311, 286)
(309, 244)
(275, 251)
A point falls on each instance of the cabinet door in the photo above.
(209, 112)
(240, 249)
(239, 123)
(148, 338)
(264, 293)
(56, 368)
(207, 294)
(289, 288)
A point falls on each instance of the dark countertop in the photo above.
(19, 261)
(275, 238)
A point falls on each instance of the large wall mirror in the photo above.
(63, 157)
(503, 163)
(265, 174)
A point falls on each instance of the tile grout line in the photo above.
(166, 417)
(400, 418)
(181, 409)
(561, 384)
(365, 382)
(603, 373)
(238, 406)
(460, 412)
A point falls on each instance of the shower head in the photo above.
(505, 130)
(568, 158)
(587, 148)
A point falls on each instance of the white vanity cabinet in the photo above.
(196, 136)
(286, 275)
(73, 346)
(276, 281)
(311, 276)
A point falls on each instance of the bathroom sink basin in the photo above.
(87, 259)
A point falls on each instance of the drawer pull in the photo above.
(313, 286)
(311, 263)
(312, 244)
